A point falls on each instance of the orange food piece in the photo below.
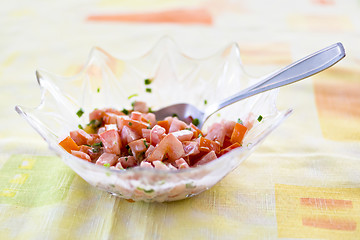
(134, 125)
(229, 148)
(196, 130)
(165, 124)
(238, 133)
(69, 144)
(206, 145)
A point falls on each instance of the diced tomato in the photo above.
(228, 149)
(81, 137)
(170, 146)
(207, 158)
(111, 141)
(107, 158)
(206, 145)
(183, 135)
(69, 144)
(165, 124)
(238, 133)
(81, 155)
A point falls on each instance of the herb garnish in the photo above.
(98, 90)
(147, 81)
(195, 121)
(80, 127)
(107, 165)
(133, 95)
(148, 90)
(260, 118)
(126, 112)
(240, 121)
(80, 112)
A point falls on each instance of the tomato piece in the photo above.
(206, 145)
(238, 133)
(69, 144)
(229, 148)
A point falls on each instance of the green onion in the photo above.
(259, 118)
(147, 81)
(107, 165)
(99, 144)
(205, 101)
(98, 90)
(240, 121)
(188, 129)
(80, 127)
(148, 90)
(150, 110)
(80, 112)
(195, 121)
(145, 143)
(175, 115)
(130, 123)
(126, 112)
(133, 95)
(200, 135)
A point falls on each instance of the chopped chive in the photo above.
(107, 165)
(147, 81)
(133, 95)
(80, 112)
(145, 143)
(260, 118)
(188, 128)
(240, 121)
(175, 115)
(200, 135)
(150, 110)
(218, 114)
(205, 101)
(126, 158)
(80, 127)
(133, 104)
(99, 144)
(148, 90)
(126, 112)
(195, 121)
(98, 90)
(148, 127)
(130, 123)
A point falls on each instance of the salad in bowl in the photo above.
(101, 121)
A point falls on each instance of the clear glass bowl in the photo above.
(106, 81)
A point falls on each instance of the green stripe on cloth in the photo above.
(31, 181)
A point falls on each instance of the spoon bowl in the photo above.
(294, 72)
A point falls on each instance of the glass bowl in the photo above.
(106, 81)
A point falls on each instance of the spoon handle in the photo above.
(296, 71)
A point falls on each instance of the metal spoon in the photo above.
(296, 71)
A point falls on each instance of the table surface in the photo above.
(302, 182)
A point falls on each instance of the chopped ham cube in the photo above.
(206, 158)
(216, 132)
(183, 135)
(136, 116)
(157, 133)
(150, 118)
(146, 134)
(140, 106)
(80, 137)
(128, 161)
(160, 165)
(177, 125)
(145, 164)
(81, 155)
(191, 148)
(128, 135)
(138, 148)
(181, 163)
(111, 141)
(149, 151)
(169, 146)
(107, 158)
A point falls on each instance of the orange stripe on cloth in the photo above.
(322, 203)
(180, 16)
(327, 222)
